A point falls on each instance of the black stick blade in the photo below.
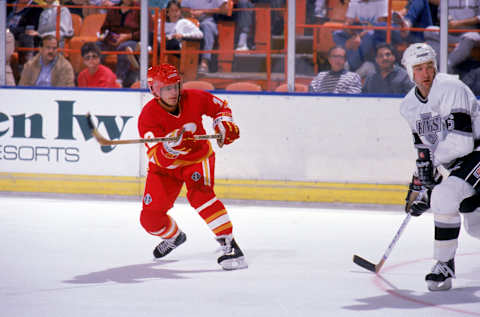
(364, 263)
(90, 121)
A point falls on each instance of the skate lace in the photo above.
(165, 245)
(442, 268)
(225, 249)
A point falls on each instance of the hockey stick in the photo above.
(375, 268)
(104, 141)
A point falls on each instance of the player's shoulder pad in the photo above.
(408, 102)
(445, 81)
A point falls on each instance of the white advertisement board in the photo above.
(46, 131)
(283, 137)
(318, 138)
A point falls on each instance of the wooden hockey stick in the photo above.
(104, 141)
(375, 268)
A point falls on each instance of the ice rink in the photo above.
(90, 257)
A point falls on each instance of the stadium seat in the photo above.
(336, 10)
(243, 86)
(198, 84)
(77, 22)
(298, 88)
(88, 33)
(135, 85)
(92, 24)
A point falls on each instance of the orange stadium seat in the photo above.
(298, 88)
(243, 86)
(398, 5)
(77, 22)
(92, 24)
(198, 84)
(88, 33)
(135, 85)
(336, 10)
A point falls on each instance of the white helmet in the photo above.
(416, 54)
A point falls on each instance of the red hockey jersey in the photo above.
(154, 121)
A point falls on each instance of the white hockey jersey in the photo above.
(447, 122)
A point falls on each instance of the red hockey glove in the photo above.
(223, 124)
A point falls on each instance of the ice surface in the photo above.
(67, 257)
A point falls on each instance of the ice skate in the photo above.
(440, 279)
(167, 245)
(232, 258)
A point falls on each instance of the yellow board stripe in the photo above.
(383, 194)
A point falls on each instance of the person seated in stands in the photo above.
(360, 44)
(204, 11)
(389, 78)
(176, 27)
(244, 28)
(101, 3)
(48, 68)
(22, 20)
(416, 14)
(47, 23)
(461, 15)
(121, 32)
(77, 11)
(319, 11)
(95, 74)
(337, 80)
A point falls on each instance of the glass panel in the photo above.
(246, 42)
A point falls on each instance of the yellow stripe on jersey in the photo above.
(206, 172)
(222, 227)
(216, 215)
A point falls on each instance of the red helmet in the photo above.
(161, 76)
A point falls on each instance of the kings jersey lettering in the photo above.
(428, 124)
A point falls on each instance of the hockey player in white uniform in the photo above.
(444, 117)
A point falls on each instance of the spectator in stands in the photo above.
(176, 27)
(9, 48)
(360, 44)
(203, 11)
(472, 80)
(320, 11)
(416, 14)
(337, 80)
(121, 30)
(244, 25)
(96, 74)
(78, 11)
(389, 78)
(22, 20)
(102, 3)
(48, 68)
(461, 15)
(47, 24)
(246, 22)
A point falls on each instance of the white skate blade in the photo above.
(234, 264)
(440, 286)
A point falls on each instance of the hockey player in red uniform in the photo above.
(178, 112)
